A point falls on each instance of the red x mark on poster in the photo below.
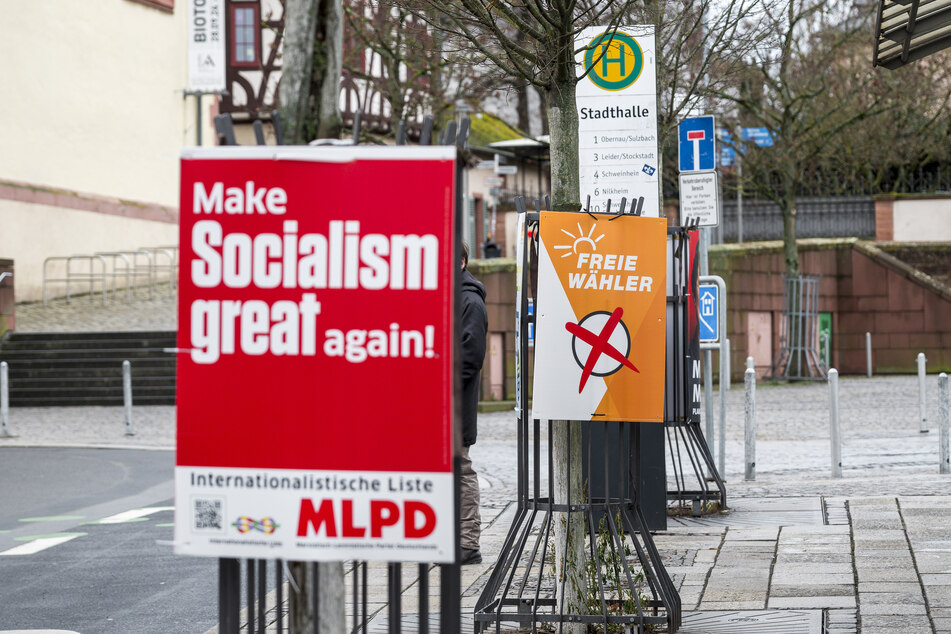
(599, 345)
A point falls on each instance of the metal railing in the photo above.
(270, 591)
(841, 217)
(89, 276)
(169, 268)
(112, 271)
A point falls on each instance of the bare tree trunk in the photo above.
(328, 66)
(790, 247)
(543, 106)
(300, 26)
(566, 449)
(311, 66)
(308, 96)
(330, 599)
(524, 123)
(569, 527)
(563, 121)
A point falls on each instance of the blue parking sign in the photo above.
(708, 303)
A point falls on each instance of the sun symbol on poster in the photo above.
(579, 240)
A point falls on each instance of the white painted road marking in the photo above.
(131, 516)
(37, 545)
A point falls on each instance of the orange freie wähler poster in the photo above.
(601, 333)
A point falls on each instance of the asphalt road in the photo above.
(62, 567)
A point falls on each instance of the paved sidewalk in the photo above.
(799, 551)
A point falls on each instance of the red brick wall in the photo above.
(7, 297)
(884, 219)
(498, 275)
(865, 289)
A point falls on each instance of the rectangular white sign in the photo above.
(206, 45)
(313, 515)
(617, 118)
(699, 198)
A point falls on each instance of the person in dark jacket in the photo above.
(474, 325)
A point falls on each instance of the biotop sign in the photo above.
(315, 336)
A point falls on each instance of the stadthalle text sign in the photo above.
(617, 118)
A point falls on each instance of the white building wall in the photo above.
(94, 97)
(61, 230)
(93, 103)
(922, 219)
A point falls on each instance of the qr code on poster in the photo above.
(208, 514)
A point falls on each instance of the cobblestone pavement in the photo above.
(868, 552)
(88, 313)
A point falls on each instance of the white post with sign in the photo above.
(699, 190)
(711, 301)
(617, 118)
(206, 45)
(700, 199)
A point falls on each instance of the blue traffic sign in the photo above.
(708, 300)
(531, 323)
(697, 144)
(727, 152)
(760, 136)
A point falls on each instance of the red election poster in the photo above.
(315, 370)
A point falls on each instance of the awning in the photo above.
(908, 30)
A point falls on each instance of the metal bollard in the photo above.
(749, 380)
(725, 351)
(127, 396)
(4, 401)
(835, 432)
(868, 354)
(922, 406)
(944, 458)
(750, 364)
(724, 387)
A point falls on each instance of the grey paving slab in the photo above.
(780, 589)
(911, 596)
(745, 621)
(829, 601)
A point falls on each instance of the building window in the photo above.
(245, 32)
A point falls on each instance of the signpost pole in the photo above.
(724, 378)
(707, 354)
